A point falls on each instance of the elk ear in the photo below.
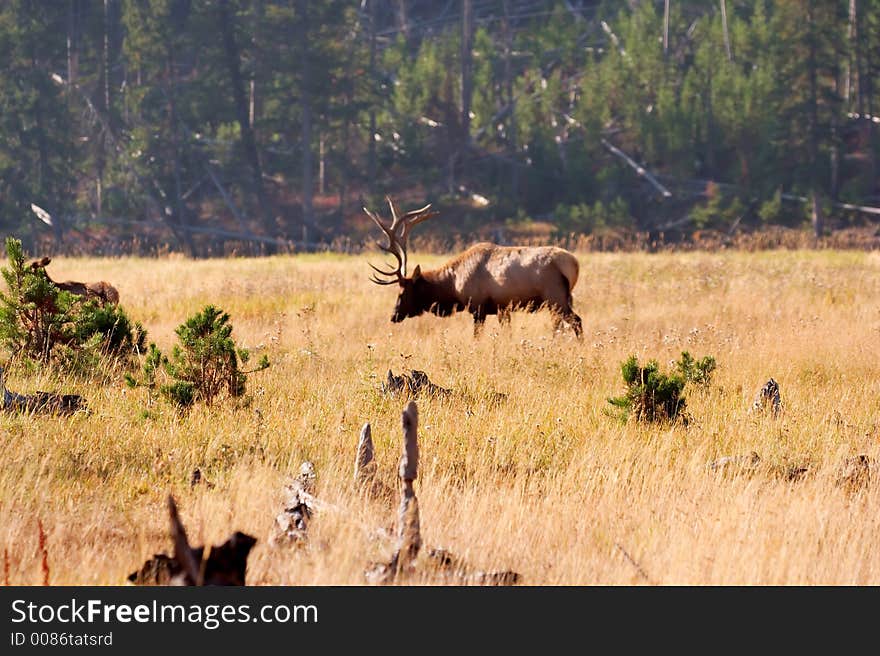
(417, 273)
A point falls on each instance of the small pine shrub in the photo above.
(117, 333)
(41, 323)
(35, 316)
(771, 210)
(696, 371)
(204, 366)
(650, 395)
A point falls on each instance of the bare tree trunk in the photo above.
(100, 160)
(242, 111)
(866, 91)
(726, 32)
(511, 100)
(44, 170)
(344, 172)
(852, 35)
(306, 102)
(864, 86)
(856, 42)
(813, 118)
(710, 127)
(665, 27)
(345, 167)
(45, 175)
(402, 20)
(467, 81)
(817, 219)
(254, 108)
(106, 59)
(179, 205)
(834, 155)
(73, 20)
(321, 154)
(182, 227)
(252, 102)
(73, 29)
(371, 141)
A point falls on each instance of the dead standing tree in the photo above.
(365, 479)
(409, 537)
(409, 559)
(403, 562)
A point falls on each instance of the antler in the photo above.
(393, 248)
(398, 235)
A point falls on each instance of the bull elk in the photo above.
(101, 291)
(485, 279)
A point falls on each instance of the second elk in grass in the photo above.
(101, 291)
(485, 279)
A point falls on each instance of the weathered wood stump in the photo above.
(768, 399)
(292, 523)
(365, 479)
(225, 564)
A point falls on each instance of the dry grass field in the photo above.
(546, 483)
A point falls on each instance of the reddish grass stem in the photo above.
(44, 551)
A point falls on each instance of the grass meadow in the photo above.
(546, 483)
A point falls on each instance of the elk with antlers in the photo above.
(101, 291)
(485, 279)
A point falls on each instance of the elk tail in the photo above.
(569, 299)
(569, 268)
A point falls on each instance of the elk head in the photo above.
(410, 301)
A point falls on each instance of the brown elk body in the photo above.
(101, 291)
(485, 279)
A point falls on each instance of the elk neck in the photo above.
(439, 287)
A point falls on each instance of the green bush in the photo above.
(41, 323)
(588, 218)
(696, 371)
(111, 329)
(204, 366)
(771, 209)
(650, 395)
(718, 211)
(655, 396)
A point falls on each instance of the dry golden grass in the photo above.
(546, 484)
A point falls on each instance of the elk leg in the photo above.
(479, 319)
(559, 303)
(504, 316)
(562, 316)
(576, 324)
